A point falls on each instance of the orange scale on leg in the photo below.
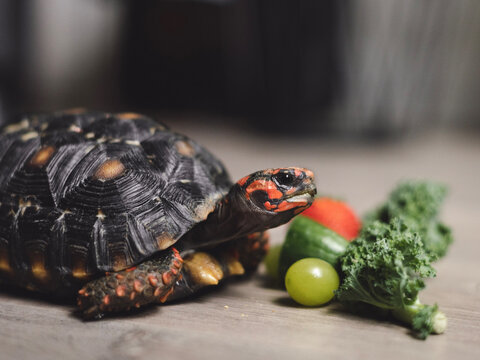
(120, 291)
(167, 278)
(152, 280)
(167, 294)
(106, 300)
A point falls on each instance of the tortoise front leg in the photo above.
(209, 267)
(252, 250)
(150, 281)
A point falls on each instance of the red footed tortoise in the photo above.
(127, 213)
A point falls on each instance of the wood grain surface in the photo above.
(251, 320)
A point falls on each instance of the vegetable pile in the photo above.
(382, 268)
(335, 215)
(417, 204)
(385, 267)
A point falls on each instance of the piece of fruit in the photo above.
(311, 282)
(335, 215)
(307, 238)
(272, 260)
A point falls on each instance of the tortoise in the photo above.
(124, 212)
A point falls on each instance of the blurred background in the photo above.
(343, 67)
(355, 68)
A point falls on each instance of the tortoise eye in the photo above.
(284, 178)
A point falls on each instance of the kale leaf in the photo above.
(386, 267)
(417, 204)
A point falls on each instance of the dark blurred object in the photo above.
(274, 60)
(371, 67)
(10, 40)
(173, 55)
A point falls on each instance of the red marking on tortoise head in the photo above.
(290, 191)
(243, 180)
(264, 185)
(309, 173)
(269, 206)
(285, 205)
(299, 210)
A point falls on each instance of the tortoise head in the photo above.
(257, 202)
(277, 195)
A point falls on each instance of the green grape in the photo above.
(272, 260)
(311, 281)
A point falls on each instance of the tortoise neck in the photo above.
(233, 217)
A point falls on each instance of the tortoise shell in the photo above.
(82, 193)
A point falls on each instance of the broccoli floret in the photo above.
(417, 204)
(385, 267)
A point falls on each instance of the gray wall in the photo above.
(404, 63)
(409, 62)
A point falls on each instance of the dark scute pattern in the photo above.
(61, 211)
(120, 128)
(34, 235)
(14, 159)
(60, 138)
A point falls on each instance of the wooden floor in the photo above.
(249, 319)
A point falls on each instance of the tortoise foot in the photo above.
(210, 267)
(150, 281)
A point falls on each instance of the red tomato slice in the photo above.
(336, 215)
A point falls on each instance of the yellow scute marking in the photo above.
(185, 148)
(4, 260)
(128, 115)
(110, 169)
(37, 261)
(16, 127)
(42, 156)
(164, 241)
